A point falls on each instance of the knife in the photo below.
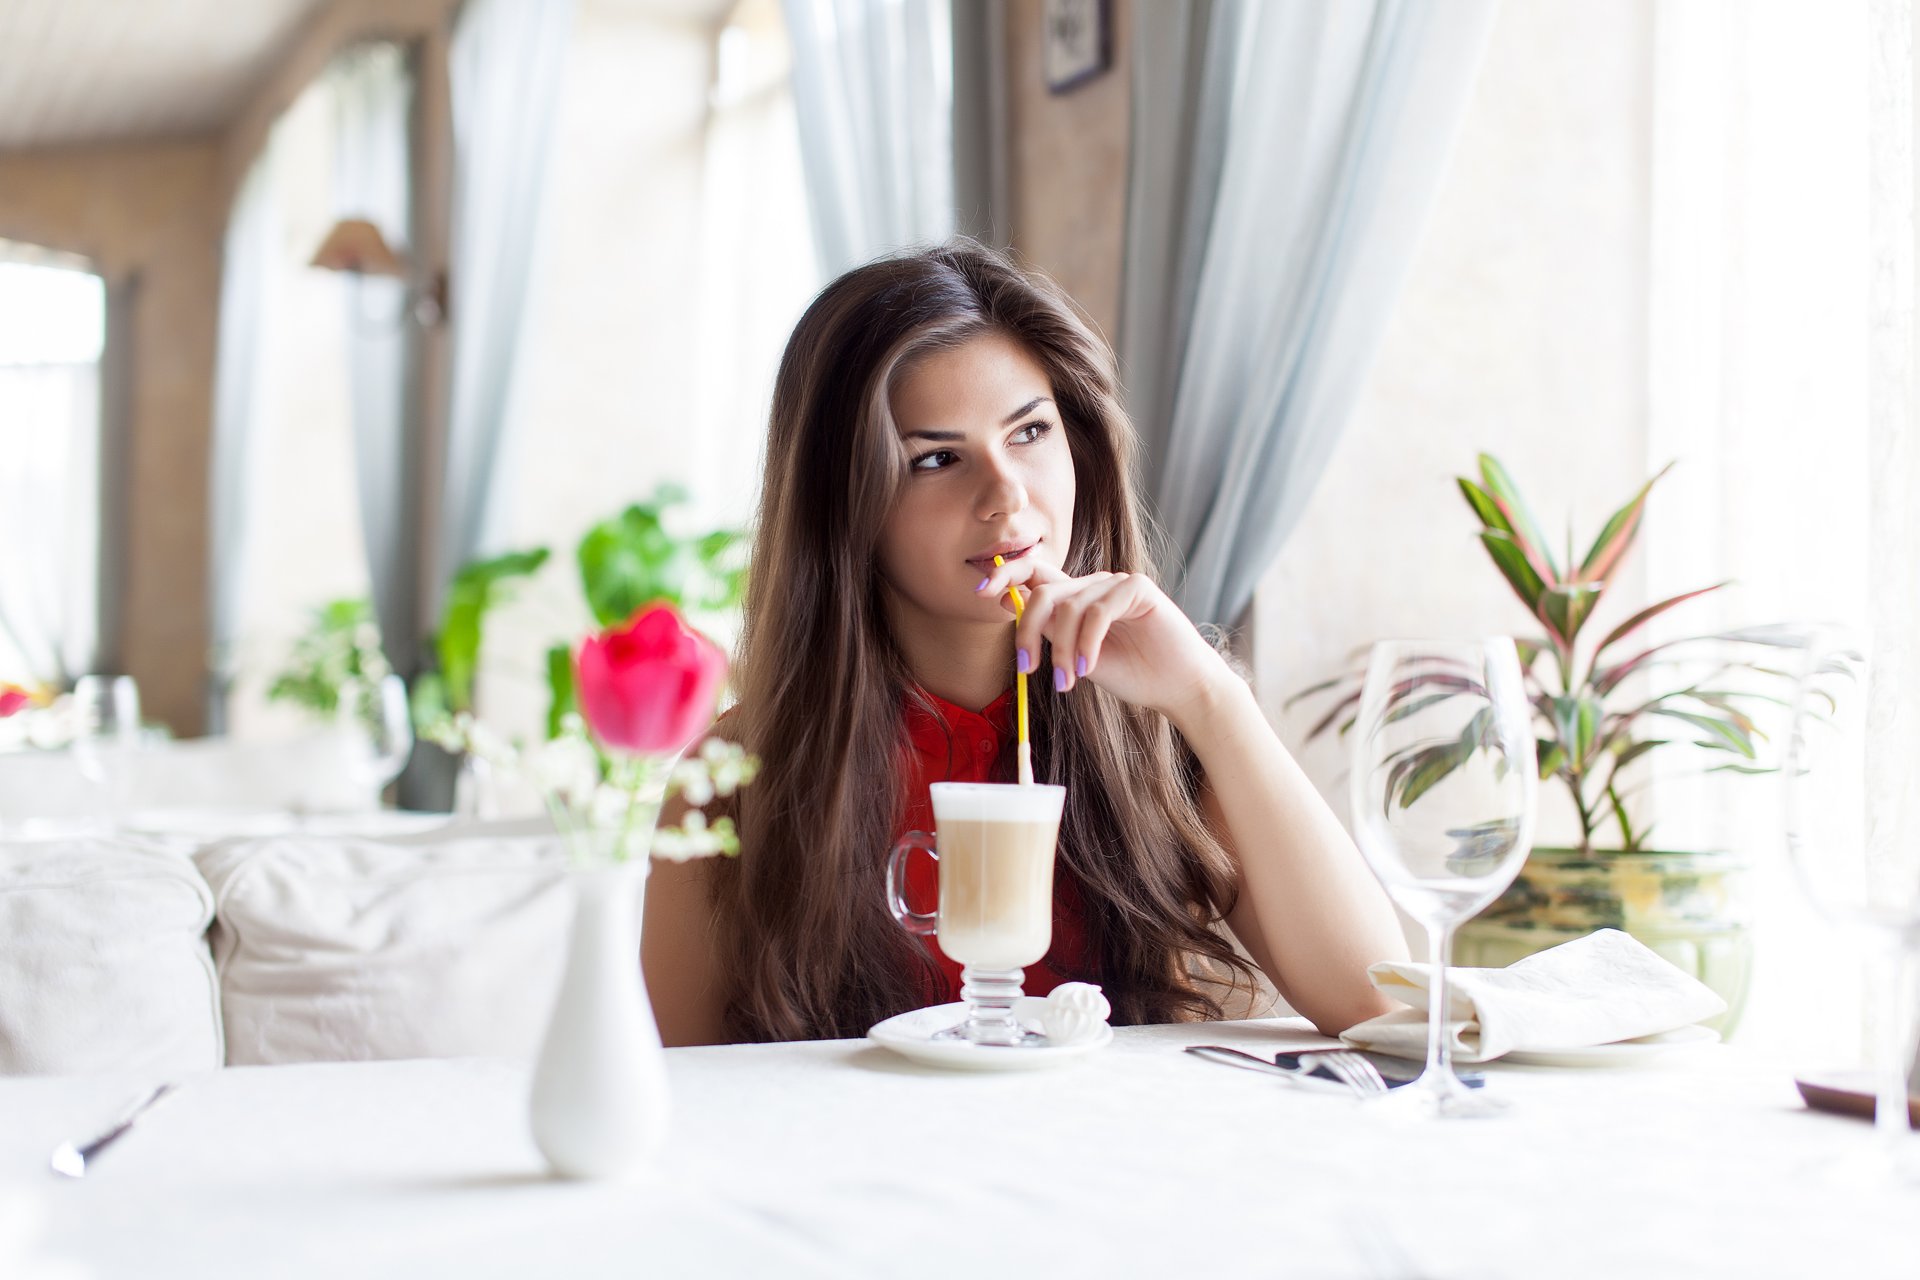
(73, 1160)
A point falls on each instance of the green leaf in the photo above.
(1431, 772)
(628, 561)
(1513, 564)
(1722, 735)
(478, 586)
(1566, 608)
(1649, 613)
(1485, 507)
(1617, 535)
(561, 699)
(1313, 689)
(1326, 722)
(1634, 750)
(1553, 757)
(1526, 532)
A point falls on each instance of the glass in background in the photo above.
(1859, 870)
(377, 725)
(1445, 781)
(107, 739)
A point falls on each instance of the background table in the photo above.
(838, 1159)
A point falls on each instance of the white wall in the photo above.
(1522, 332)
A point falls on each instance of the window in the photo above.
(676, 255)
(52, 331)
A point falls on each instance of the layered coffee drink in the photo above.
(996, 846)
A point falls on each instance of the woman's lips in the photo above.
(986, 561)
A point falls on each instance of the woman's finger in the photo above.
(1027, 569)
(1068, 609)
(1124, 598)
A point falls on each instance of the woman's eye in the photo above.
(932, 461)
(1032, 431)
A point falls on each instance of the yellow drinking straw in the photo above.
(1020, 689)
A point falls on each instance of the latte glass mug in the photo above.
(995, 849)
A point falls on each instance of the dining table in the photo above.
(840, 1159)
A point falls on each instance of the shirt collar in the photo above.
(951, 719)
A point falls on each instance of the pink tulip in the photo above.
(12, 699)
(649, 687)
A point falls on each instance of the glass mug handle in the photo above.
(911, 920)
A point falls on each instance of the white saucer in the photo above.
(1618, 1054)
(911, 1036)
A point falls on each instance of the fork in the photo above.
(1354, 1071)
(1302, 1075)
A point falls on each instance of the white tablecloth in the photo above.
(837, 1159)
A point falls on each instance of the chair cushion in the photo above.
(105, 965)
(447, 944)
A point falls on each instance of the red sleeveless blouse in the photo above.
(958, 745)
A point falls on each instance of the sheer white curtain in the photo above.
(873, 91)
(757, 265)
(1335, 125)
(51, 329)
(246, 283)
(372, 90)
(506, 66)
(1781, 379)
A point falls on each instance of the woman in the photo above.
(932, 411)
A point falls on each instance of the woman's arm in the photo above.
(1309, 912)
(678, 951)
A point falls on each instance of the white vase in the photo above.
(600, 1105)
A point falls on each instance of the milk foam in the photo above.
(996, 802)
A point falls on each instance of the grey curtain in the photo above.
(373, 102)
(506, 65)
(1286, 154)
(873, 95)
(253, 235)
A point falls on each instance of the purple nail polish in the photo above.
(1080, 667)
(1022, 661)
(1059, 679)
(984, 581)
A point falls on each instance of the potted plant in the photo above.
(1603, 709)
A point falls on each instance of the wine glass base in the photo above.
(994, 1037)
(1439, 1095)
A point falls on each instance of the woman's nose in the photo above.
(1001, 493)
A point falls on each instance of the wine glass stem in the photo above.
(1439, 1041)
(1893, 1045)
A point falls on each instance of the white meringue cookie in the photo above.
(1074, 1011)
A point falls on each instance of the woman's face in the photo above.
(989, 472)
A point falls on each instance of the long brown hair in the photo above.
(810, 947)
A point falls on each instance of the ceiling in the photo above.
(103, 70)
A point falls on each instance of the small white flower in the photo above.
(484, 742)
(691, 779)
(565, 768)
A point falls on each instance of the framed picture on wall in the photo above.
(1077, 43)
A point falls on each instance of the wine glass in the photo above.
(378, 725)
(1857, 867)
(1444, 787)
(106, 734)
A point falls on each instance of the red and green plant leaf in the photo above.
(1516, 568)
(1526, 531)
(1649, 613)
(1616, 536)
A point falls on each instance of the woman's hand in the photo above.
(1118, 630)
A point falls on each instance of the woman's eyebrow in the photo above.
(1026, 408)
(951, 437)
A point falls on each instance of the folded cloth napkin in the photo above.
(1593, 990)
